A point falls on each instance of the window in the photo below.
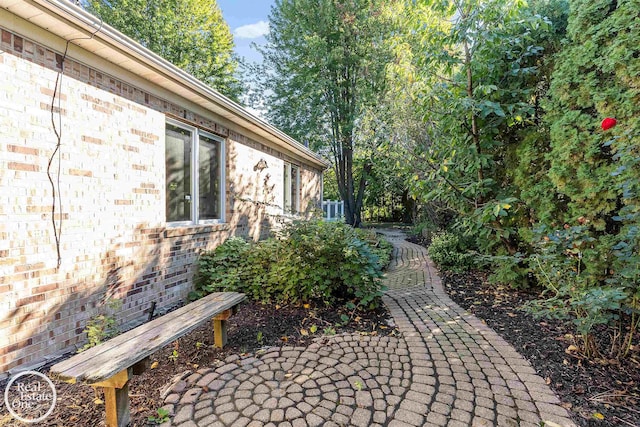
(194, 175)
(291, 188)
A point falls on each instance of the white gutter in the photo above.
(115, 40)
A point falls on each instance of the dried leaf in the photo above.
(98, 402)
(571, 349)
(307, 306)
(598, 416)
(547, 380)
(304, 332)
(154, 365)
(195, 366)
(284, 339)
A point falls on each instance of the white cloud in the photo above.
(252, 31)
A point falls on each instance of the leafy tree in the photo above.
(325, 66)
(482, 62)
(594, 173)
(596, 76)
(192, 34)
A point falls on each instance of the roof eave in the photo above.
(115, 47)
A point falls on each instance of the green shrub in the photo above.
(378, 244)
(221, 270)
(424, 230)
(327, 261)
(446, 251)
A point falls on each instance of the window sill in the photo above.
(190, 230)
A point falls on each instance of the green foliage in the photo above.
(329, 331)
(325, 69)
(192, 34)
(424, 230)
(380, 247)
(484, 71)
(309, 260)
(447, 251)
(512, 270)
(222, 270)
(161, 417)
(103, 326)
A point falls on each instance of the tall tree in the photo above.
(326, 65)
(482, 61)
(595, 76)
(192, 34)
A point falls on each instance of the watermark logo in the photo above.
(30, 396)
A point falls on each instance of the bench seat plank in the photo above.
(103, 361)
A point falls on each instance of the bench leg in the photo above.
(219, 333)
(116, 402)
(116, 398)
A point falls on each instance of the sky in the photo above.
(249, 22)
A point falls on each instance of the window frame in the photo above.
(291, 210)
(194, 175)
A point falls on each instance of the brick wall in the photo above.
(114, 241)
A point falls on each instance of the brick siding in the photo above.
(114, 239)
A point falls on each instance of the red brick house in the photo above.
(115, 174)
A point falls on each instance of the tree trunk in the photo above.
(474, 118)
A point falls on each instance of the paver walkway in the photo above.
(447, 369)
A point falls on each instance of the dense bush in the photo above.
(308, 260)
(448, 252)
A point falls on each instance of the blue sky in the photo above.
(248, 20)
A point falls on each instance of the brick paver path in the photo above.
(447, 369)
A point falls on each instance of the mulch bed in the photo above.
(254, 326)
(591, 389)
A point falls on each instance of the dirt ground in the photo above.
(253, 327)
(600, 392)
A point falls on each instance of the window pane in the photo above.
(209, 178)
(294, 189)
(287, 188)
(178, 173)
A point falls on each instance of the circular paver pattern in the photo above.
(345, 379)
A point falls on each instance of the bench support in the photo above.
(220, 328)
(116, 399)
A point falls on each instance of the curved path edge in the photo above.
(469, 374)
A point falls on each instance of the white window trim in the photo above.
(195, 157)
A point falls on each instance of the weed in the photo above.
(329, 330)
(161, 417)
(103, 326)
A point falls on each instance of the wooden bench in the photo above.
(110, 365)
